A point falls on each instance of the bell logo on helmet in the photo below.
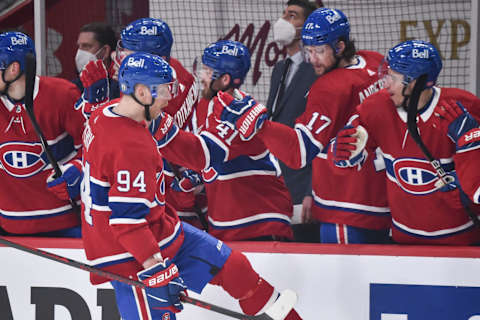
(19, 40)
(148, 31)
(135, 63)
(335, 17)
(420, 54)
(230, 51)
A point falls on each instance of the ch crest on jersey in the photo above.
(415, 176)
(20, 159)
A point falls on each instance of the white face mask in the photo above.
(83, 57)
(283, 32)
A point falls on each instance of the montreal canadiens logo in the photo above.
(415, 176)
(22, 159)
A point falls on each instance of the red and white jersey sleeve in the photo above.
(124, 216)
(26, 205)
(422, 212)
(181, 107)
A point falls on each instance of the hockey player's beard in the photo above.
(208, 93)
(211, 91)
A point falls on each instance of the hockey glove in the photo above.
(462, 128)
(246, 115)
(187, 183)
(166, 130)
(164, 286)
(348, 148)
(94, 77)
(67, 186)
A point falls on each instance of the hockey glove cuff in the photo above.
(167, 130)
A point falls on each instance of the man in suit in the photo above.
(289, 86)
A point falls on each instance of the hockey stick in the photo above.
(30, 71)
(413, 130)
(113, 276)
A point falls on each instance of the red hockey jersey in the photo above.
(421, 212)
(359, 198)
(246, 196)
(26, 206)
(124, 216)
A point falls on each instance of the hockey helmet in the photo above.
(325, 26)
(148, 35)
(150, 70)
(13, 47)
(227, 57)
(414, 58)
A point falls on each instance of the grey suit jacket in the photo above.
(299, 182)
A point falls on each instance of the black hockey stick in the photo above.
(412, 112)
(113, 276)
(30, 71)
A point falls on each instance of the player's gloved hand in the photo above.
(245, 114)
(67, 186)
(166, 130)
(164, 286)
(459, 124)
(348, 148)
(187, 183)
(94, 77)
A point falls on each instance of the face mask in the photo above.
(283, 32)
(83, 57)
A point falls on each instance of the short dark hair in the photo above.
(103, 33)
(307, 6)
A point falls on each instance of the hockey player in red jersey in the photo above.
(424, 209)
(127, 226)
(247, 197)
(154, 36)
(352, 208)
(26, 206)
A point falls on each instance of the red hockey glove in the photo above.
(187, 183)
(458, 123)
(94, 77)
(164, 286)
(67, 186)
(246, 115)
(348, 148)
(166, 130)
